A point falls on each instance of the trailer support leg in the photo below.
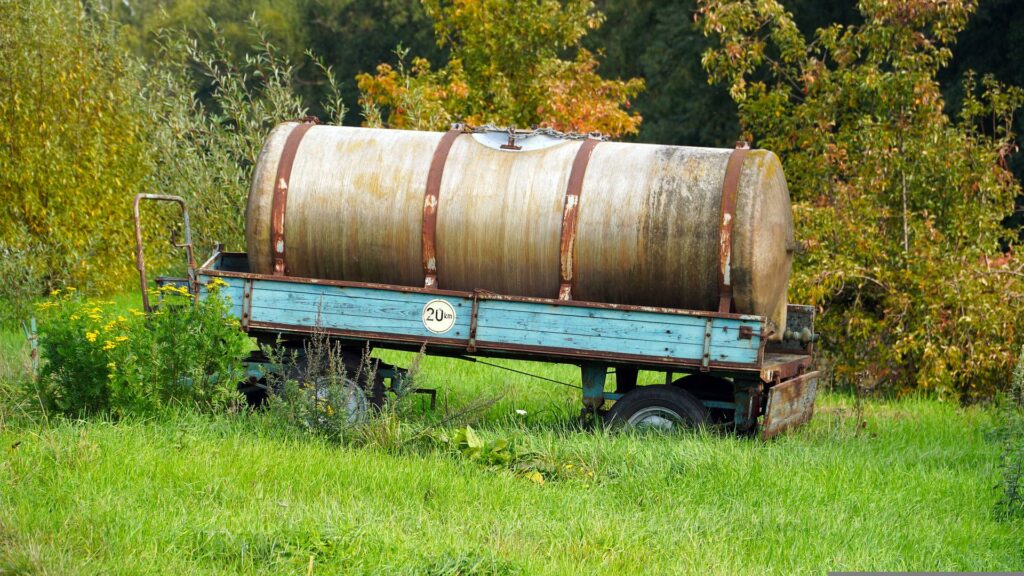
(593, 385)
(747, 399)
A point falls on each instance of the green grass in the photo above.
(913, 490)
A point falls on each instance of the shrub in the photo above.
(1011, 502)
(206, 148)
(325, 391)
(98, 359)
(899, 206)
(87, 126)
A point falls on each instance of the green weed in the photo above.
(1011, 501)
(96, 358)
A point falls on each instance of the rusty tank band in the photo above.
(569, 214)
(430, 200)
(279, 205)
(729, 187)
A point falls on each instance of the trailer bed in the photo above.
(490, 324)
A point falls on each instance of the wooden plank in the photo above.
(626, 326)
(412, 326)
(349, 292)
(391, 309)
(589, 343)
(395, 308)
(567, 309)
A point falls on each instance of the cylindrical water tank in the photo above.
(648, 223)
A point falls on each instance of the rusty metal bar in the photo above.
(279, 204)
(729, 189)
(705, 360)
(430, 201)
(246, 304)
(569, 216)
(471, 348)
(790, 404)
(140, 258)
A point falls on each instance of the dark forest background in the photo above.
(654, 40)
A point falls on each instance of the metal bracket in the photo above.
(730, 187)
(593, 376)
(471, 347)
(279, 203)
(246, 304)
(570, 213)
(511, 145)
(705, 360)
(430, 202)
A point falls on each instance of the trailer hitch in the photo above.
(140, 259)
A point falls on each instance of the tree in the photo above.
(72, 148)
(899, 206)
(506, 66)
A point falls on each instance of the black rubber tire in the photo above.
(708, 387)
(669, 400)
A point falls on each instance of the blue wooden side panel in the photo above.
(622, 331)
(357, 309)
(499, 322)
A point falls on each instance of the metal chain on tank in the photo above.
(515, 134)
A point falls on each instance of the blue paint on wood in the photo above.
(541, 325)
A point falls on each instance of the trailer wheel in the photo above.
(707, 387)
(354, 403)
(658, 407)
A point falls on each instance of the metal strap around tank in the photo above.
(430, 201)
(569, 216)
(279, 205)
(729, 191)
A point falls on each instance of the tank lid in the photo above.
(512, 140)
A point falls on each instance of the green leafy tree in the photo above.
(87, 125)
(204, 146)
(73, 150)
(899, 206)
(505, 67)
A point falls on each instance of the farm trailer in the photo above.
(716, 366)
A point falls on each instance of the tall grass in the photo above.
(912, 490)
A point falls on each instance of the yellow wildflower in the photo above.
(55, 292)
(108, 345)
(109, 326)
(94, 317)
(216, 283)
(121, 339)
(172, 289)
(75, 316)
(70, 289)
(91, 336)
(136, 312)
(121, 319)
(112, 366)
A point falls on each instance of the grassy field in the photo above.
(914, 489)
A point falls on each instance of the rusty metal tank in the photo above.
(531, 214)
